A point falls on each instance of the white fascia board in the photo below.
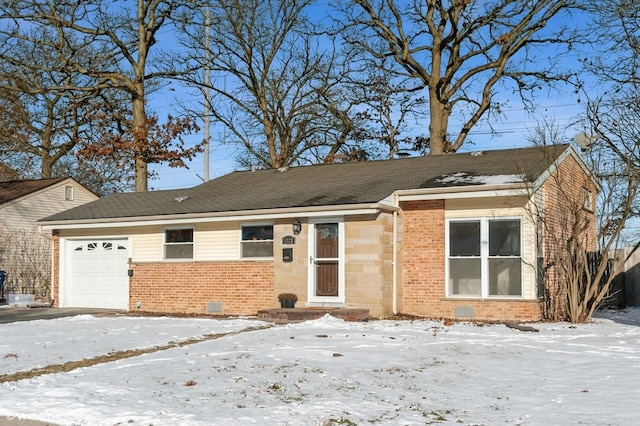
(253, 215)
(570, 151)
(388, 201)
(517, 190)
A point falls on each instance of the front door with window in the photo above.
(326, 284)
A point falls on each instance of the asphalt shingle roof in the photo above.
(13, 189)
(320, 185)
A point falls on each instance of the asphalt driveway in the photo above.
(18, 313)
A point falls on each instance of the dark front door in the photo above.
(326, 260)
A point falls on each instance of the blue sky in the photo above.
(511, 130)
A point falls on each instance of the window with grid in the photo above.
(484, 257)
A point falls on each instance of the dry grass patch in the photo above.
(114, 356)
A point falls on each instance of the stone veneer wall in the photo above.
(368, 268)
(368, 256)
(290, 277)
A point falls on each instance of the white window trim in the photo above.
(165, 244)
(484, 258)
(68, 193)
(588, 200)
(249, 224)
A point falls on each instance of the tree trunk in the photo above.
(438, 123)
(46, 165)
(140, 140)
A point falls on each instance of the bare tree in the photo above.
(386, 110)
(615, 55)
(109, 45)
(614, 111)
(580, 230)
(610, 143)
(460, 50)
(274, 88)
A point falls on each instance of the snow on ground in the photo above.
(329, 371)
(24, 346)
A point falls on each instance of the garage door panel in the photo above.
(97, 274)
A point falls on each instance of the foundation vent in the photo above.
(214, 307)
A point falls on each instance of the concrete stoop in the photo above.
(284, 315)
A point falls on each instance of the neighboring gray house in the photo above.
(25, 250)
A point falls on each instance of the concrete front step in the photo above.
(283, 315)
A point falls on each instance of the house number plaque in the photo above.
(289, 239)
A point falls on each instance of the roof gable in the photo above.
(325, 185)
(14, 189)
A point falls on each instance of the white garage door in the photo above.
(96, 272)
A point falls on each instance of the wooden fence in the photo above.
(625, 287)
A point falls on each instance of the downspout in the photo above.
(394, 261)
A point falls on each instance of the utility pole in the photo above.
(207, 96)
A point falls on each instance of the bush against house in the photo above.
(25, 254)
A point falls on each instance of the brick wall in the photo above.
(241, 287)
(55, 278)
(423, 257)
(565, 218)
(423, 269)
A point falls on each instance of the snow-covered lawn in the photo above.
(326, 372)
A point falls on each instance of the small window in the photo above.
(68, 193)
(588, 199)
(257, 241)
(178, 243)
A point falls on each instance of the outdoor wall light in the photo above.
(297, 226)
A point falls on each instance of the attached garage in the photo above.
(95, 274)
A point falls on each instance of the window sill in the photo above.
(489, 299)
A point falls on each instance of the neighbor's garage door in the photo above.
(97, 274)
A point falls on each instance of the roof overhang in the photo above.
(569, 152)
(520, 189)
(248, 215)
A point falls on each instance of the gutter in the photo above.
(261, 214)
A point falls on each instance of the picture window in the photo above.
(484, 257)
